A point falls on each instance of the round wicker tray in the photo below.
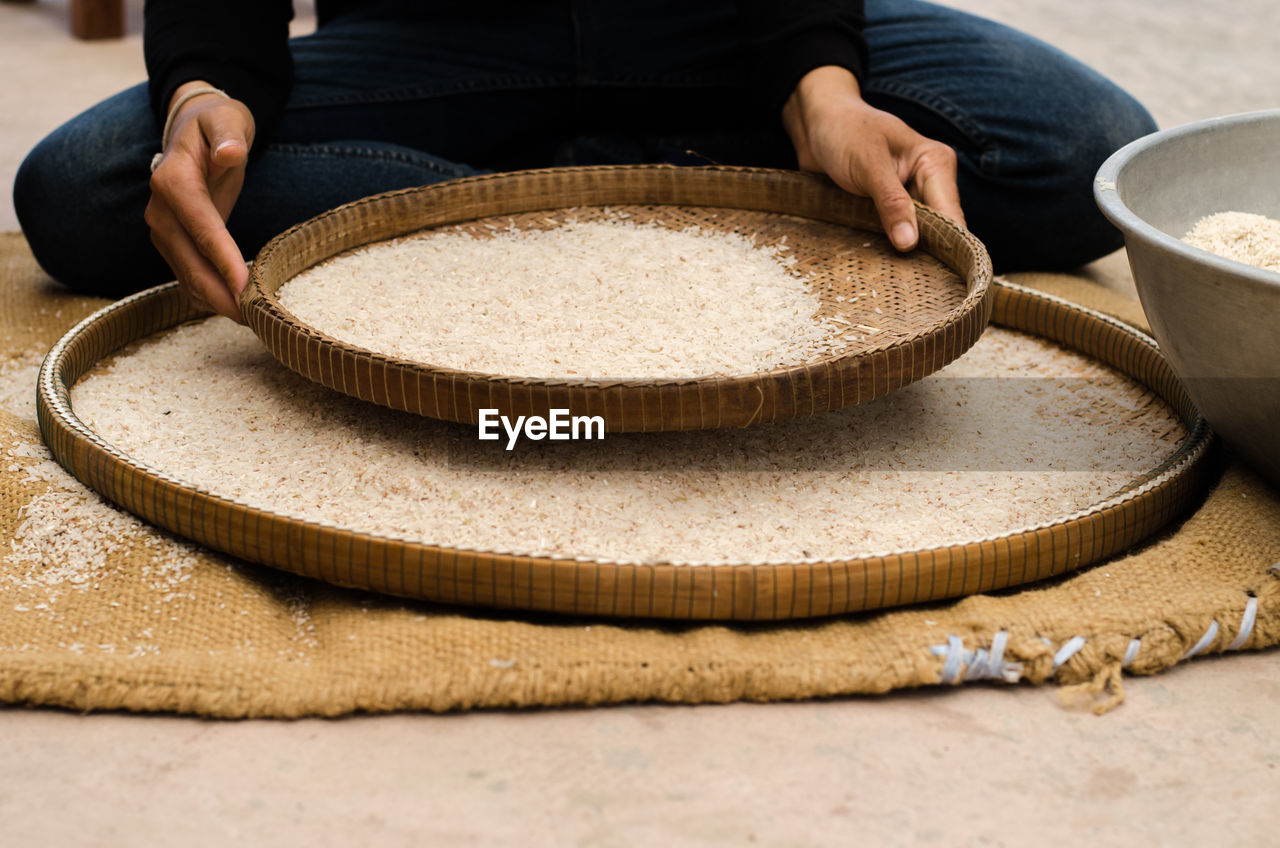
(936, 301)
(348, 557)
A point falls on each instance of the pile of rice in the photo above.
(1242, 236)
(1016, 432)
(599, 300)
(67, 536)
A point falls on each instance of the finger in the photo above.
(225, 190)
(935, 180)
(897, 211)
(187, 197)
(225, 133)
(199, 279)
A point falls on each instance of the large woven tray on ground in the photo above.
(347, 557)
(936, 301)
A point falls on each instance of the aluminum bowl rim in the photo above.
(1106, 192)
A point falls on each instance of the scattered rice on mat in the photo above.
(957, 456)
(67, 532)
(18, 384)
(1242, 236)
(610, 300)
(64, 555)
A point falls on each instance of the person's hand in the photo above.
(869, 152)
(193, 190)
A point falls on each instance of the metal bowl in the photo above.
(1217, 321)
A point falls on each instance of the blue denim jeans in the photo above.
(379, 105)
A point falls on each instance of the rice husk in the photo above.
(603, 299)
(1016, 432)
(68, 539)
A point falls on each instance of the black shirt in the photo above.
(241, 46)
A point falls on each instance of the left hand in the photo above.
(193, 191)
(869, 152)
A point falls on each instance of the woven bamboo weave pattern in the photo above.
(936, 301)
(348, 557)
(289, 647)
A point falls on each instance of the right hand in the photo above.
(193, 191)
(870, 153)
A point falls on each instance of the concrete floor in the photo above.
(1192, 758)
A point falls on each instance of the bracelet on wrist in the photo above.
(173, 111)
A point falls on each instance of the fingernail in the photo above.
(903, 235)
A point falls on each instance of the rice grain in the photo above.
(1016, 432)
(609, 299)
(1241, 236)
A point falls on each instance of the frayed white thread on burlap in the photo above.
(1247, 621)
(978, 664)
(1205, 641)
(1068, 650)
(984, 664)
(1246, 624)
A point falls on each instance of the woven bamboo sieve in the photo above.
(935, 301)
(348, 557)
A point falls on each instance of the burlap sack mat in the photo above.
(100, 612)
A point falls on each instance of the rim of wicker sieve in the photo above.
(347, 556)
(935, 301)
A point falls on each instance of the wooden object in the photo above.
(348, 557)
(93, 19)
(936, 300)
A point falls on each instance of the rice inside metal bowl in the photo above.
(1217, 320)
